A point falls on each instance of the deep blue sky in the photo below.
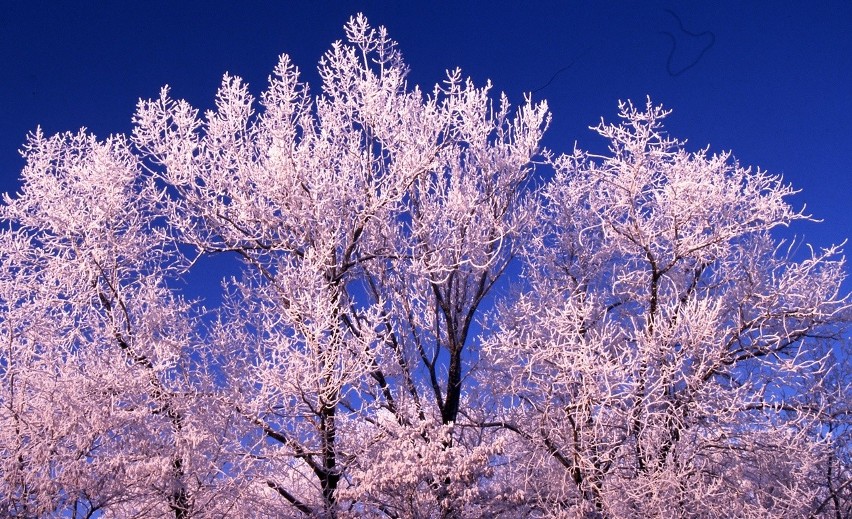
(775, 86)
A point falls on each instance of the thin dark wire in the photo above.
(674, 73)
(563, 69)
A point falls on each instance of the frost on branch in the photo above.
(661, 354)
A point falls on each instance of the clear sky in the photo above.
(771, 81)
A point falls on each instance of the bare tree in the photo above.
(663, 353)
(92, 414)
(372, 222)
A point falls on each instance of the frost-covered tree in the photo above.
(372, 221)
(93, 409)
(663, 353)
(665, 356)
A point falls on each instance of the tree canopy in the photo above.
(426, 322)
